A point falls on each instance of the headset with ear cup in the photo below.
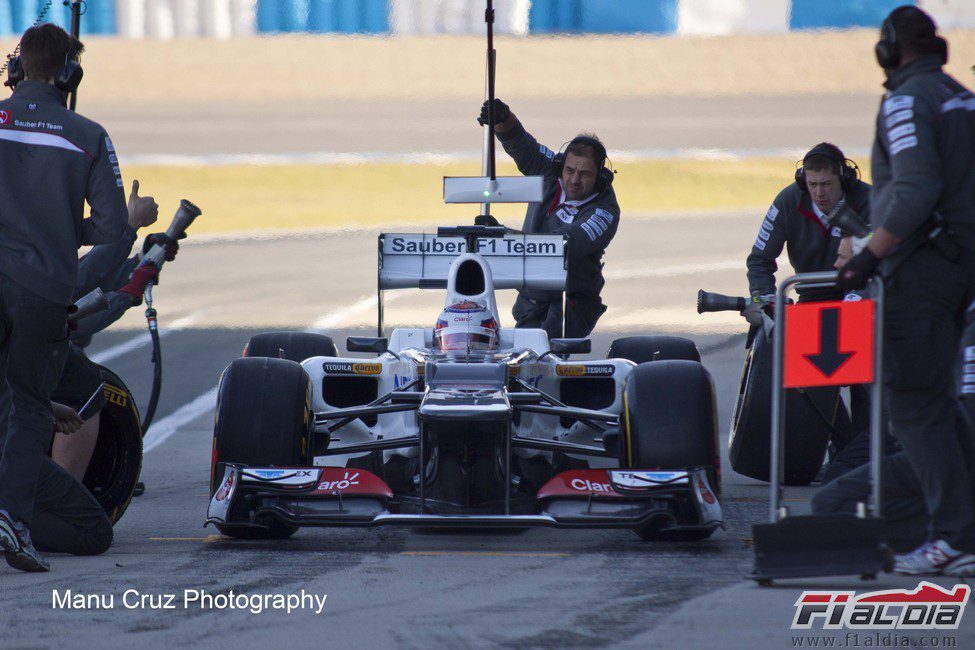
(888, 50)
(66, 80)
(69, 76)
(605, 173)
(15, 71)
(849, 170)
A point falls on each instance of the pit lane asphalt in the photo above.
(394, 586)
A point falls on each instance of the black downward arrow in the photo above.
(829, 359)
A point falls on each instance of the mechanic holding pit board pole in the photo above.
(580, 203)
(55, 160)
(923, 170)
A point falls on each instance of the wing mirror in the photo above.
(367, 344)
(570, 346)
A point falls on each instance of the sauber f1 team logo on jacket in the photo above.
(4, 117)
(929, 607)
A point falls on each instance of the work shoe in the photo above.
(933, 558)
(16, 545)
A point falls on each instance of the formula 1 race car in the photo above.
(466, 423)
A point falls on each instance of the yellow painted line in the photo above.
(482, 554)
(208, 538)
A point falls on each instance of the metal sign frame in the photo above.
(777, 511)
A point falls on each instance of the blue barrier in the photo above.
(603, 16)
(346, 16)
(17, 15)
(840, 14)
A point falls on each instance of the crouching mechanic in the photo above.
(110, 268)
(846, 480)
(579, 202)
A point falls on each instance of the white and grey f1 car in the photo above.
(466, 423)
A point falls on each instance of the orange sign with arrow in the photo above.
(829, 344)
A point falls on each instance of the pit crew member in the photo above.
(799, 220)
(54, 161)
(924, 246)
(580, 203)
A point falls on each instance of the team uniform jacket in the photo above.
(923, 159)
(791, 221)
(53, 161)
(589, 226)
(108, 267)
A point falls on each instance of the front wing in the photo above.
(248, 497)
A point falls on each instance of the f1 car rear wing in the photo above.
(517, 261)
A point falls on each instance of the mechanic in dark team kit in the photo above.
(53, 160)
(799, 220)
(580, 203)
(923, 167)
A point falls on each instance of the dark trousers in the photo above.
(925, 303)
(905, 513)
(33, 347)
(66, 517)
(582, 312)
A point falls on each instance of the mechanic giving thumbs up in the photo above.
(143, 210)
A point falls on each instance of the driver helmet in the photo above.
(466, 326)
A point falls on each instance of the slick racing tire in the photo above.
(809, 415)
(294, 346)
(670, 423)
(641, 349)
(116, 461)
(263, 418)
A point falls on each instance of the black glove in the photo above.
(856, 273)
(486, 220)
(755, 308)
(170, 245)
(501, 112)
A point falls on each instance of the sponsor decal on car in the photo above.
(432, 245)
(928, 607)
(226, 489)
(341, 368)
(579, 483)
(289, 477)
(4, 117)
(636, 479)
(579, 370)
(339, 481)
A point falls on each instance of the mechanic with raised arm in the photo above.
(580, 203)
(53, 162)
(923, 169)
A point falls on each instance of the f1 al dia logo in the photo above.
(929, 607)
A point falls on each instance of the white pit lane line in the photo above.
(143, 339)
(164, 428)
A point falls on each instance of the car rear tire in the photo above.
(116, 461)
(263, 418)
(294, 346)
(670, 423)
(641, 349)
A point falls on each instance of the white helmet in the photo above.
(466, 326)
